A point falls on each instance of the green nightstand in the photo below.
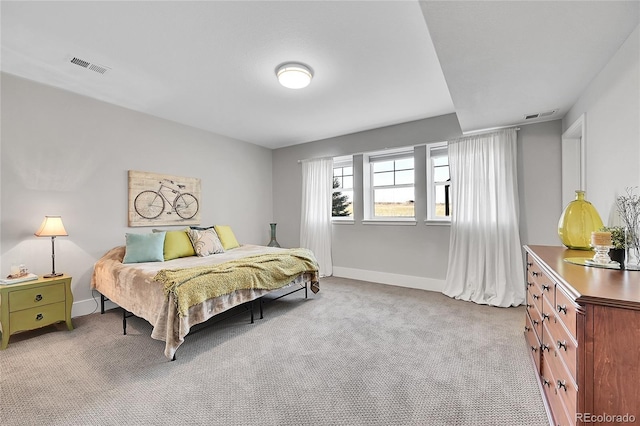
(34, 304)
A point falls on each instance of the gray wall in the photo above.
(69, 155)
(611, 105)
(419, 251)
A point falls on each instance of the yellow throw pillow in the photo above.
(226, 236)
(177, 244)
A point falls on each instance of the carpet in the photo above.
(356, 353)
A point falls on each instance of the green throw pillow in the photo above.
(144, 248)
(177, 244)
(226, 236)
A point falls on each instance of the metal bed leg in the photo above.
(102, 298)
(251, 308)
(124, 322)
(305, 290)
(261, 311)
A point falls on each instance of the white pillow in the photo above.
(205, 242)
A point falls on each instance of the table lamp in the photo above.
(52, 227)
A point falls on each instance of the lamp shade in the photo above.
(51, 227)
(294, 76)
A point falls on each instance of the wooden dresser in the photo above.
(583, 329)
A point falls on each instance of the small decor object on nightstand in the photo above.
(273, 242)
(52, 227)
(19, 274)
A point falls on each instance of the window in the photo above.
(391, 184)
(438, 182)
(342, 205)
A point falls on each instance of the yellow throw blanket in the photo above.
(269, 271)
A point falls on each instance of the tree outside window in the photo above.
(342, 205)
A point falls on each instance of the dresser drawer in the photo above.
(36, 296)
(565, 346)
(534, 297)
(566, 311)
(533, 342)
(560, 414)
(563, 382)
(40, 316)
(536, 319)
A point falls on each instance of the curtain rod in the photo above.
(490, 130)
(319, 158)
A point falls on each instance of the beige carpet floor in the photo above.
(356, 353)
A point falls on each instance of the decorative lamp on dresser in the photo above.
(34, 304)
(583, 330)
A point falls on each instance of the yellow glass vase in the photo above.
(578, 220)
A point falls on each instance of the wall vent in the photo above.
(540, 114)
(80, 62)
(88, 65)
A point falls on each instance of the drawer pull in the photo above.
(545, 316)
(529, 264)
(529, 284)
(38, 297)
(535, 322)
(534, 349)
(536, 274)
(562, 308)
(535, 296)
(562, 384)
(529, 305)
(546, 287)
(39, 317)
(562, 345)
(526, 328)
(546, 382)
(544, 347)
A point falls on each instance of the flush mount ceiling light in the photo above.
(294, 76)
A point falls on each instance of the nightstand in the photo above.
(34, 304)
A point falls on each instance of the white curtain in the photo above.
(315, 223)
(485, 256)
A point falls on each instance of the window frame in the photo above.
(432, 185)
(342, 162)
(369, 188)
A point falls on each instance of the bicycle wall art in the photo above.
(156, 199)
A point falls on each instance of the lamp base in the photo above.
(53, 275)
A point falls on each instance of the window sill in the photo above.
(437, 222)
(391, 221)
(346, 221)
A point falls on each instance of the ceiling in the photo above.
(211, 64)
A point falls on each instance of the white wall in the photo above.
(539, 178)
(611, 105)
(417, 255)
(69, 155)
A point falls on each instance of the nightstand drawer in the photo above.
(40, 316)
(37, 296)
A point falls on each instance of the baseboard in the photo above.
(410, 281)
(90, 306)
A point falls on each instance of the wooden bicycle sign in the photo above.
(156, 199)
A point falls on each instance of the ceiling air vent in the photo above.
(93, 67)
(540, 114)
(80, 62)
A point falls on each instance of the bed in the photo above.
(142, 288)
